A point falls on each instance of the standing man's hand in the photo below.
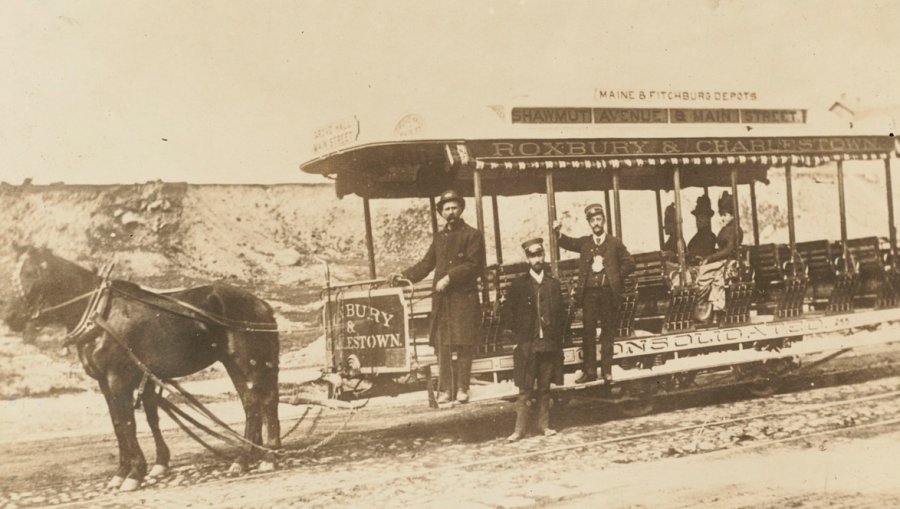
(442, 284)
(557, 226)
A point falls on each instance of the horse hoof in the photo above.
(267, 466)
(158, 471)
(130, 485)
(115, 482)
(236, 468)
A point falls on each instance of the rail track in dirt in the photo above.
(394, 446)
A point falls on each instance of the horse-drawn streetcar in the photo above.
(778, 301)
(781, 300)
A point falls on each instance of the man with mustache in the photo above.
(456, 256)
(536, 314)
(604, 264)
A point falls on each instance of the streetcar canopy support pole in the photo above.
(753, 213)
(433, 208)
(659, 221)
(479, 217)
(609, 220)
(843, 210)
(792, 233)
(498, 248)
(737, 214)
(892, 230)
(370, 243)
(676, 180)
(498, 244)
(551, 217)
(618, 204)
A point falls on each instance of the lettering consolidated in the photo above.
(697, 339)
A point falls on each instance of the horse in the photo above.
(172, 335)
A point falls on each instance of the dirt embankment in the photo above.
(159, 231)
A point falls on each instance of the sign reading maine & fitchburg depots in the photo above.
(669, 147)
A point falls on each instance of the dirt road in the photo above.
(718, 450)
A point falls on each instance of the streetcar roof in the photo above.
(415, 155)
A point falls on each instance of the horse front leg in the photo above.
(250, 400)
(150, 399)
(122, 410)
(119, 477)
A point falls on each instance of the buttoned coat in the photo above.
(455, 312)
(617, 261)
(519, 316)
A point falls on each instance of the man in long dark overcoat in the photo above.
(603, 265)
(536, 314)
(456, 256)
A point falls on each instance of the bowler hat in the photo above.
(594, 209)
(533, 246)
(725, 203)
(703, 207)
(450, 195)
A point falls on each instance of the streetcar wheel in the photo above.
(685, 380)
(763, 379)
(637, 407)
(762, 388)
(559, 401)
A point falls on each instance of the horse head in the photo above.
(40, 281)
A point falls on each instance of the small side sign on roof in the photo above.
(335, 135)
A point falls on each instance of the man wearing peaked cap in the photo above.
(535, 312)
(456, 256)
(593, 210)
(604, 263)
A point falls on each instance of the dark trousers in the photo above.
(537, 386)
(599, 305)
(454, 374)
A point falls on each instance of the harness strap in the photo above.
(204, 315)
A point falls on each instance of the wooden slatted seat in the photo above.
(867, 254)
(649, 272)
(765, 260)
(817, 256)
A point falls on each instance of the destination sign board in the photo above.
(528, 115)
(372, 326)
(335, 135)
(667, 147)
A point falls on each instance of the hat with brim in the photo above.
(448, 196)
(703, 207)
(725, 203)
(533, 246)
(594, 209)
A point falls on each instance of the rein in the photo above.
(38, 313)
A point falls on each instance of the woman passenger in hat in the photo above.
(715, 268)
(535, 312)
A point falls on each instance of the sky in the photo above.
(230, 92)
